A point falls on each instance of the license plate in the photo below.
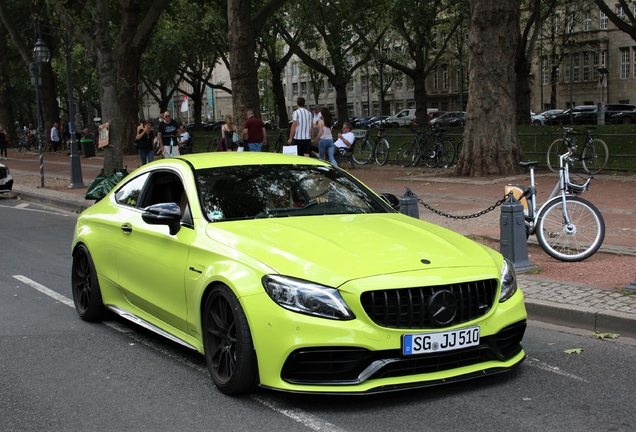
(444, 341)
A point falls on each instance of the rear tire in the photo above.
(405, 154)
(556, 149)
(572, 243)
(87, 295)
(448, 155)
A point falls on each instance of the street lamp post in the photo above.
(76, 167)
(41, 56)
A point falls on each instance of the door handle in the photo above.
(127, 228)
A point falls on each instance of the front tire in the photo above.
(229, 350)
(448, 153)
(595, 156)
(406, 154)
(87, 295)
(382, 152)
(361, 152)
(572, 243)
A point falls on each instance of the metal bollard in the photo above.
(408, 204)
(513, 243)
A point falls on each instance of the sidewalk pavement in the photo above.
(561, 303)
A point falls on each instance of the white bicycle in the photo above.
(567, 227)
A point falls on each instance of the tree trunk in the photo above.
(523, 69)
(490, 137)
(243, 72)
(279, 98)
(341, 99)
(420, 96)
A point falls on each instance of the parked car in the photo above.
(214, 125)
(234, 255)
(449, 119)
(619, 113)
(6, 180)
(379, 121)
(582, 114)
(403, 118)
(539, 119)
(434, 114)
(357, 123)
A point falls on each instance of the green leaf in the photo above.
(573, 351)
(606, 335)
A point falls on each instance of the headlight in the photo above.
(508, 281)
(307, 298)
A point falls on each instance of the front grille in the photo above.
(3, 172)
(350, 366)
(409, 307)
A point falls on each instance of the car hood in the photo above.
(335, 249)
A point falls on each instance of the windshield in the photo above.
(269, 191)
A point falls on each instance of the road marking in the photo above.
(45, 290)
(554, 369)
(297, 415)
(25, 207)
(305, 419)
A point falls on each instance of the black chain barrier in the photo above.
(475, 215)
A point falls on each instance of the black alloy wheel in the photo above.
(87, 295)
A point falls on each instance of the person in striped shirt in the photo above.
(300, 133)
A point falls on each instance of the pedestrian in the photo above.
(3, 143)
(145, 139)
(55, 136)
(227, 130)
(300, 132)
(167, 135)
(326, 146)
(184, 138)
(254, 132)
(346, 138)
(317, 117)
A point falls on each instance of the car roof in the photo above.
(225, 159)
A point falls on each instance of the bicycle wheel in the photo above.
(432, 154)
(381, 152)
(405, 154)
(578, 240)
(361, 152)
(556, 149)
(447, 155)
(594, 156)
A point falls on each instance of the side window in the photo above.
(130, 192)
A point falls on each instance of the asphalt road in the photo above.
(60, 373)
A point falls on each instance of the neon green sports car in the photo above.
(288, 273)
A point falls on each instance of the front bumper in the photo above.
(298, 353)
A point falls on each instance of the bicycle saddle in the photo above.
(526, 164)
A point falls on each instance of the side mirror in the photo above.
(391, 200)
(163, 214)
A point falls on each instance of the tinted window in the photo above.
(269, 191)
(129, 193)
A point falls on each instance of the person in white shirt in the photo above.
(301, 129)
(55, 136)
(346, 138)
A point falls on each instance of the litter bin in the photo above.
(88, 148)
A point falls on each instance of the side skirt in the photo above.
(145, 324)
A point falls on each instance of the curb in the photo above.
(71, 206)
(586, 318)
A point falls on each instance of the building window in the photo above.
(586, 66)
(376, 108)
(571, 24)
(350, 86)
(350, 109)
(603, 21)
(303, 88)
(295, 88)
(575, 63)
(595, 66)
(330, 87)
(625, 62)
(544, 70)
(398, 81)
(365, 109)
(634, 63)
(365, 84)
(435, 81)
(587, 21)
(557, 71)
(445, 77)
(620, 12)
(294, 69)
